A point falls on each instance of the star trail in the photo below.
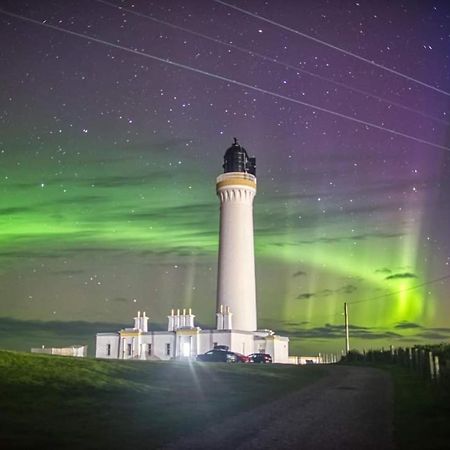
(114, 119)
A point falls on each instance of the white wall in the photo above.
(139, 346)
(236, 341)
(101, 345)
(208, 338)
(159, 342)
(281, 350)
(242, 343)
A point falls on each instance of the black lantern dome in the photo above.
(236, 159)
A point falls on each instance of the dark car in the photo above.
(220, 356)
(262, 358)
(221, 347)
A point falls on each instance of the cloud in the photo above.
(346, 289)
(14, 210)
(174, 251)
(9, 325)
(300, 273)
(325, 292)
(404, 325)
(440, 333)
(296, 324)
(399, 276)
(329, 331)
(442, 329)
(383, 270)
(21, 335)
(337, 239)
(433, 335)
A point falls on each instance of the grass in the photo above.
(421, 411)
(421, 408)
(70, 403)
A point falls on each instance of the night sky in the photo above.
(110, 146)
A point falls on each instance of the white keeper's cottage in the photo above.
(183, 340)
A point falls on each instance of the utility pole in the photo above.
(347, 340)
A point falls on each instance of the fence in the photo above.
(430, 362)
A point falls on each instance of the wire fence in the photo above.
(430, 362)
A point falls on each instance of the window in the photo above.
(108, 350)
(168, 349)
(129, 349)
(149, 349)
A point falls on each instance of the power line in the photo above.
(273, 60)
(412, 288)
(334, 47)
(222, 78)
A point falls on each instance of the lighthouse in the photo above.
(236, 328)
(236, 292)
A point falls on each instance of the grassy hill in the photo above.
(70, 403)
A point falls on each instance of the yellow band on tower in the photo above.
(236, 182)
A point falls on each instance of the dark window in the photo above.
(149, 349)
(168, 349)
(108, 349)
(129, 349)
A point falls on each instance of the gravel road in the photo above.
(349, 409)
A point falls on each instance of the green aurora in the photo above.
(100, 239)
(108, 160)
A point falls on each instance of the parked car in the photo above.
(221, 347)
(242, 358)
(222, 356)
(262, 358)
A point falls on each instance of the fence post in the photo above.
(416, 360)
(436, 368)
(423, 367)
(430, 365)
(410, 360)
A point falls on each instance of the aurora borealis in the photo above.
(108, 161)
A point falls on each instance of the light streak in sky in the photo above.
(222, 78)
(334, 47)
(273, 60)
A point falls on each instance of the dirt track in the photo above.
(349, 409)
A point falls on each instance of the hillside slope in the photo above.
(57, 402)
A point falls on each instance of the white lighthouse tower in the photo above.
(236, 293)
